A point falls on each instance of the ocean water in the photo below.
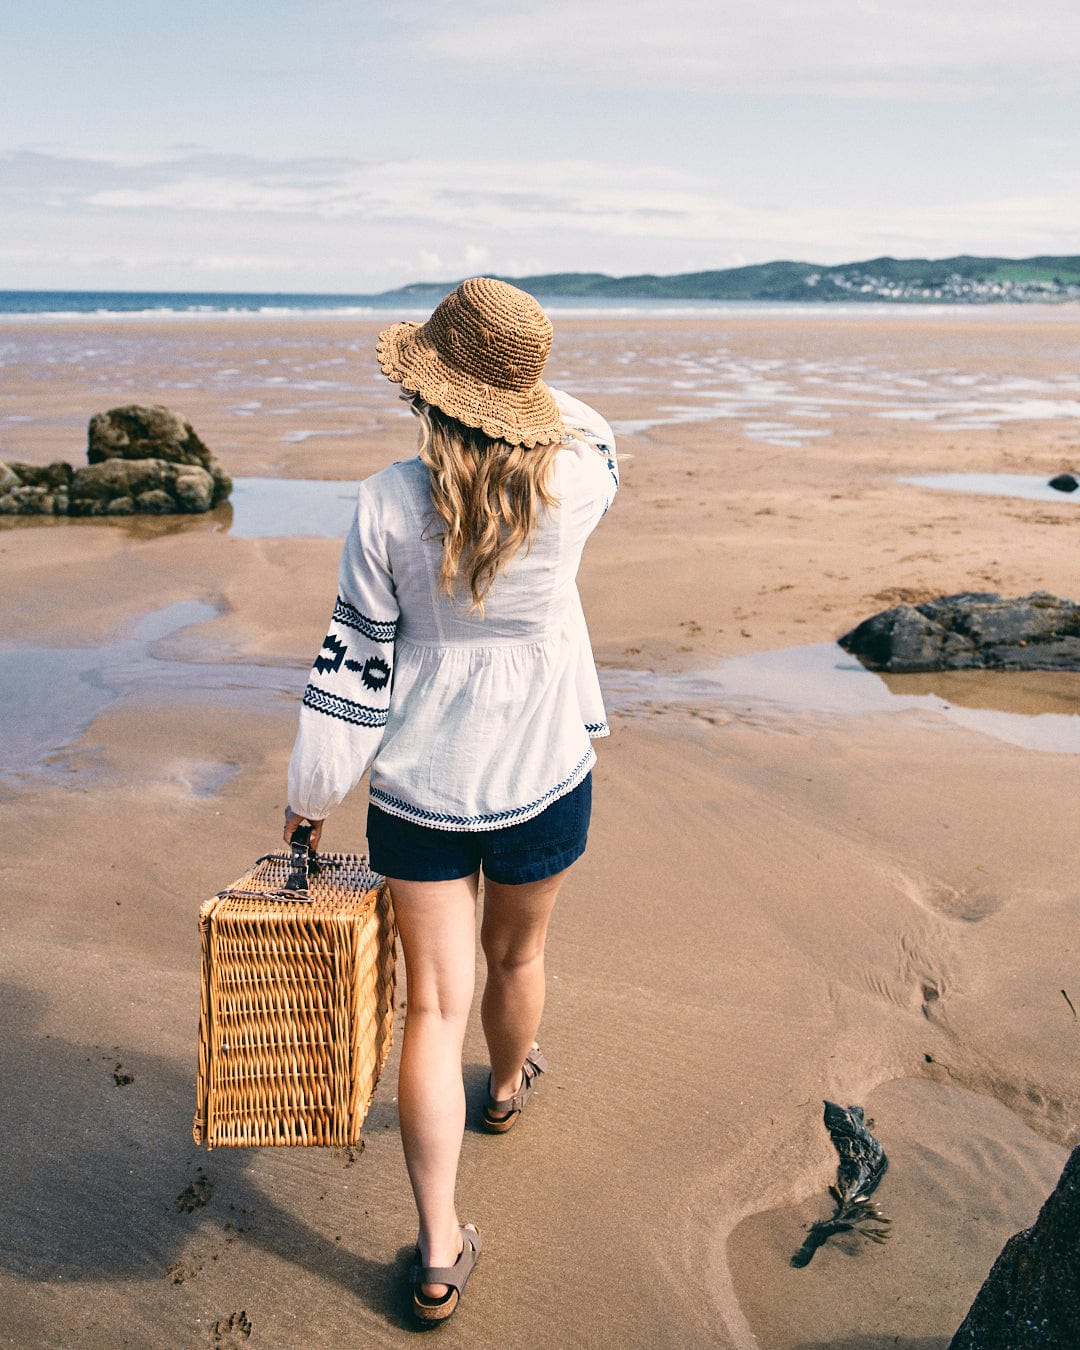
(189, 304)
(28, 305)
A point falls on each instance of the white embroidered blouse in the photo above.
(465, 723)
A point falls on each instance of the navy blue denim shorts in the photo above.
(531, 851)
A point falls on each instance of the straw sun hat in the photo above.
(479, 359)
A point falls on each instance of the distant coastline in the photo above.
(964, 280)
(961, 280)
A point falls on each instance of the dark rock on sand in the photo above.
(136, 432)
(141, 460)
(51, 476)
(972, 631)
(1031, 1297)
(1064, 482)
(125, 486)
(30, 489)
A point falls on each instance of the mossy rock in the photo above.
(138, 432)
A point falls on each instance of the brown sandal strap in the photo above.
(535, 1064)
(455, 1275)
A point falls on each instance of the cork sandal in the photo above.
(455, 1276)
(502, 1116)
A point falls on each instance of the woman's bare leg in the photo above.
(437, 923)
(513, 933)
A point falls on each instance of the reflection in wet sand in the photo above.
(52, 694)
(1036, 710)
(1027, 692)
(1031, 487)
(259, 508)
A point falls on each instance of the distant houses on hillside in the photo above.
(964, 279)
(955, 289)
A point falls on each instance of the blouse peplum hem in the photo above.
(443, 820)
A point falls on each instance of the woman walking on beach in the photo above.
(458, 667)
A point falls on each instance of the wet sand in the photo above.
(783, 900)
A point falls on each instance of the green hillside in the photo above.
(964, 279)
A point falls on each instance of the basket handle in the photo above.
(304, 862)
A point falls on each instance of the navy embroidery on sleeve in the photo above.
(327, 665)
(358, 714)
(609, 456)
(374, 672)
(378, 630)
(602, 448)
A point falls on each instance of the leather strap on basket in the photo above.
(302, 854)
(304, 863)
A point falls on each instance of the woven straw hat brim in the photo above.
(529, 418)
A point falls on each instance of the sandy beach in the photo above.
(802, 883)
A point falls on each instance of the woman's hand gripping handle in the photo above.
(292, 820)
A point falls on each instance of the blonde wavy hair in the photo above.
(487, 493)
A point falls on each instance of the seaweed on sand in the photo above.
(862, 1165)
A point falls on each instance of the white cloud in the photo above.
(563, 200)
(938, 50)
(351, 225)
(111, 159)
(575, 195)
(236, 262)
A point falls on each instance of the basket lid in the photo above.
(341, 883)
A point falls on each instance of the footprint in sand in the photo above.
(927, 970)
(964, 904)
(181, 1271)
(919, 979)
(930, 996)
(196, 1195)
(231, 1330)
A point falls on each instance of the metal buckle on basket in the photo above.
(302, 864)
(305, 863)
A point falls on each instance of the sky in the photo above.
(347, 146)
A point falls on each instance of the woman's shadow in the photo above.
(102, 1182)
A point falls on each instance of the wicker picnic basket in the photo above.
(297, 1009)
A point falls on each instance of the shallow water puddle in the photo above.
(52, 694)
(1029, 486)
(290, 508)
(265, 508)
(1038, 710)
(259, 508)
